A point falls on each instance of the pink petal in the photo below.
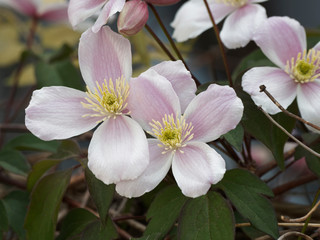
(151, 97)
(104, 55)
(118, 150)
(57, 113)
(308, 97)
(26, 7)
(80, 10)
(157, 169)
(57, 14)
(192, 18)
(239, 27)
(111, 7)
(277, 82)
(180, 78)
(214, 112)
(197, 168)
(280, 39)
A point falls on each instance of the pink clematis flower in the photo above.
(243, 18)
(40, 9)
(118, 149)
(283, 41)
(80, 10)
(180, 140)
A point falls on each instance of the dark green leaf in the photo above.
(312, 161)
(46, 197)
(30, 142)
(97, 231)
(64, 52)
(62, 73)
(259, 126)
(75, 223)
(14, 161)
(207, 217)
(16, 204)
(101, 194)
(67, 149)
(4, 223)
(38, 170)
(244, 189)
(235, 137)
(164, 211)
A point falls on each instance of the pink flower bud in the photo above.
(133, 17)
(162, 2)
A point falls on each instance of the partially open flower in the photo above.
(133, 17)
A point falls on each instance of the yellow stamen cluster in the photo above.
(107, 100)
(234, 3)
(173, 132)
(305, 68)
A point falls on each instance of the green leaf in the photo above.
(62, 73)
(14, 161)
(235, 137)
(46, 197)
(16, 204)
(67, 149)
(30, 142)
(4, 222)
(163, 212)
(312, 161)
(244, 189)
(97, 231)
(259, 126)
(101, 194)
(75, 223)
(207, 217)
(38, 170)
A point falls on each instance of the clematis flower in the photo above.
(49, 10)
(283, 41)
(243, 18)
(80, 10)
(180, 129)
(118, 149)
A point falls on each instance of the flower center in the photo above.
(305, 68)
(107, 100)
(173, 132)
(234, 3)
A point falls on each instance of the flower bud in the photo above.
(162, 2)
(133, 17)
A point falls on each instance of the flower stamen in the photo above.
(173, 132)
(107, 100)
(305, 68)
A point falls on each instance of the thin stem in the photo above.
(279, 172)
(164, 48)
(264, 89)
(284, 236)
(13, 127)
(315, 225)
(223, 52)
(289, 135)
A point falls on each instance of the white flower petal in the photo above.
(118, 150)
(157, 169)
(197, 168)
(238, 28)
(277, 82)
(57, 113)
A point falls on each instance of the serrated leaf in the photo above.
(46, 197)
(30, 142)
(75, 223)
(4, 223)
(243, 189)
(16, 204)
(62, 73)
(13, 161)
(101, 194)
(259, 126)
(235, 137)
(312, 161)
(207, 217)
(97, 231)
(164, 211)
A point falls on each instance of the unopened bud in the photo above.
(133, 17)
